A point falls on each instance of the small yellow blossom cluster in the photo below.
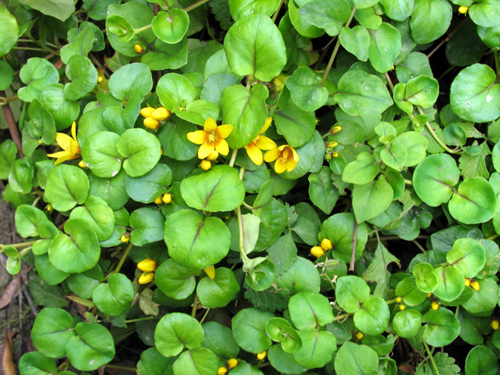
(401, 305)
(359, 335)
(473, 284)
(230, 364)
(164, 198)
(330, 145)
(319, 251)
(138, 49)
(148, 267)
(153, 116)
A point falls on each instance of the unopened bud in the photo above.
(317, 251)
(151, 123)
(147, 111)
(326, 244)
(336, 129)
(167, 198)
(147, 265)
(138, 49)
(146, 278)
(205, 165)
(161, 114)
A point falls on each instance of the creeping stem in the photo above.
(431, 358)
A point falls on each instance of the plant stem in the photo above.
(241, 242)
(247, 206)
(431, 358)
(204, 316)
(195, 5)
(435, 136)
(233, 157)
(389, 81)
(141, 319)
(131, 369)
(140, 29)
(275, 15)
(492, 237)
(195, 305)
(25, 251)
(13, 129)
(497, 64)
(16, 245)
(335, 50)
(340, 317)
(122, 260)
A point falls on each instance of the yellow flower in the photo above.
(261, 356)
(211, 138)
(261, 142)
(402, 307)
(147, 265)
(232, 363)
(317, 251)
(138, 49)
(326, 244)
(69, 145)
(147, 111)
(205, 165)
(435, 305)
(125, 238)
(146, 278)
(495, 324)
(222, 371)
(167, 198)
(475, 285)
(210, 271)
(160, 114)
(463, 10)
(359, 335)
(286, 158)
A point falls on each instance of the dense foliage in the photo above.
(255, 186)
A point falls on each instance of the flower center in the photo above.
(254, 141)
(212, 138)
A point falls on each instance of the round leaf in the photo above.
(9, 31)
(219, 339)
(317, 348)
(351, 291)
(468, 256)
(353, 359)
(249, 330)
(373, 317)
(37, 73)
(441, 328)
(142, 151)
(451, 283)
(361, 171)
(219, 291)
(34, 363)
(52, 329)
(475, 202)
(385, 46)
(175, 91)
(172, 26)
(422, 91)
(481, 360)
(309, 310)
(83, 76)
(174, 280)
(98, 214)
(115, 297)
(177, 331)
(306, 90)
(147, 188)
(100, 155)
(407, 323)
(199, 361)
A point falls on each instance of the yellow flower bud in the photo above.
(467, 282)
(161, 114)
(210, 271)
(158, 200)
(167, 198)
(335, 129)
(222, 371)
(359, 335)
(262, 355)
(317, 251)
(49, 208)
(125, 238)
(82, 164)
(151, 123)
(402, 307)
(279, 82)
(326, 244)
(429, 295)
(100, 79)
(392, 68)
(475, 285)
(233, 362)
(399, 299)
(463, 10)
(147, 111)
(205, 165)
(146, 278)
(435, 305)
(335, 154)
(331, 144)
(495, 324)
(138, 49)
(147, 265)
(213, 156)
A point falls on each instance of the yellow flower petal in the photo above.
(64, 141)
(62, 156)
(279, 166)
(254, 153)
(295, 156)
(222, 147)
(209, 125)
(266, 126)
(265, 143)
(73, 130)
(210, 271)
(205, 150)
(272, 155)
(290, 165)
(199, 137)
(223, 131)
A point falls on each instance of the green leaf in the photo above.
(153, 363)
(91, 348)
(430, 20)
(167, 56)
(445, 365)
(243, 8)
(398, 10)
(373, 317)
(172, 26)
(46, 295)
(353, 359)
(98, 214)
(481, 360)
(177, 331)
(43, 123)
(115, 297)
(6, 75)
(303, 27)
(153, 184)
(385, 46)
(37, 73)
(147, 224)
(411, 294)
(451, 283)
(246, 110)
(174, 280)
(328, 15)
(218, 292)
(283, 253)
(198, 111)
(83, 284)
(195, 241)
(472, 162)
(296, 125)
(484, 300)
(485, 13)
(407, 323)
(425, 278)
(362, 94)
(249, 330)
(371, 199)
(120, 27)
(434, 179)
(21, 176)
(468, 256)
(175, 91)
(141, 150)
(356, 41)
(80, 46)
(254, 45)
(306, 90)
(377, 270)
(321, 190)
(100, 154)
(174, 142)
(66, 187)
(283, 362)
(475, 202)
(60, 9)
(422, 91)
(475, 95)
(309, 310)
(76, 252)
(9, 31)
(83, 75)
(62, 110)
(28, 219)
(8, 153)
(351, 291)
(52, 329)
(219, 189)
(361, 171)
(441, 328)
(199, 361)
(317, 348)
